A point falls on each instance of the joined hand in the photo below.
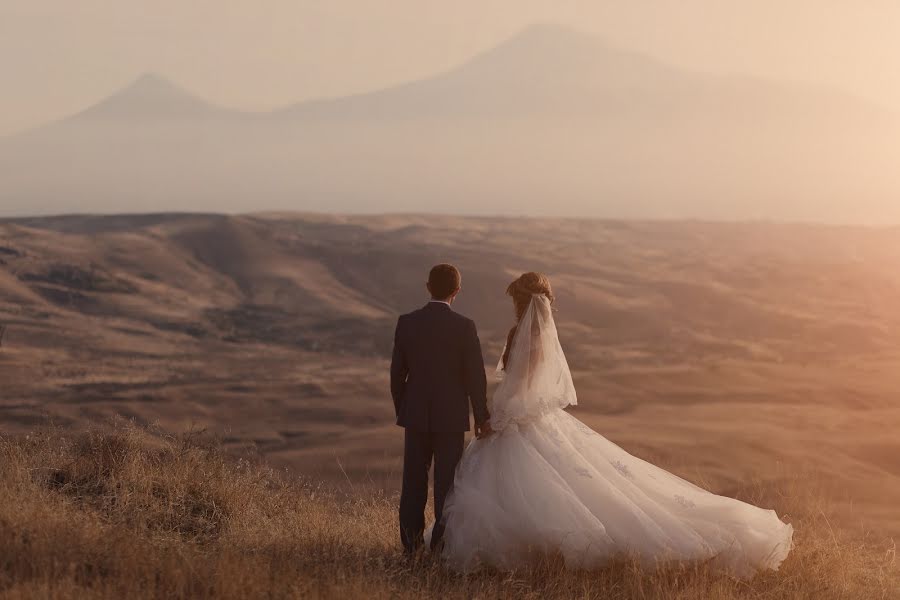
(482, 430)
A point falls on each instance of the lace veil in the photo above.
(537, 377)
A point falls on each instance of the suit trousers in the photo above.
(419, 449)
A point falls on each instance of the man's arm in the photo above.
(399, 371)
(475, 379)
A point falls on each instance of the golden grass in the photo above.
(126, 514)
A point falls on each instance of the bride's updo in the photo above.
(523, 288)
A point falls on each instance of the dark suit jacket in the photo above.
(437, 369)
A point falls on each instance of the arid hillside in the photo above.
(124, 514)
(728, 353)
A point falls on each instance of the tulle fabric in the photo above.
(545, 483)
(554, 486)
(537, 377)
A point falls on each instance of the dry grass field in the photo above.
(758, 360)
(125, 515)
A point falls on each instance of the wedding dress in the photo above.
(545, 483)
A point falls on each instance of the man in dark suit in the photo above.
(436, 371)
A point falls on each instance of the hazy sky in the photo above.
(59, 56)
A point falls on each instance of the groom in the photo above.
(436, 370)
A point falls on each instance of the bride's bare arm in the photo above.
(536, 351)
(507, 351)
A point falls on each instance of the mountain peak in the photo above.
(557, 39)
(151, 95)
(153, 81)
(554, 31)
(551, 52)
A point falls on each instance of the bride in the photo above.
(545, 483)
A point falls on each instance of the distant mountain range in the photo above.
(551, 122)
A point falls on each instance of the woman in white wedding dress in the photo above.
(545, 483)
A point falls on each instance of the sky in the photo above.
(57, 57)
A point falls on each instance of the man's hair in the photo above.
(443, 280)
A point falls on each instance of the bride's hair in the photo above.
(526, 286)
(522, 290)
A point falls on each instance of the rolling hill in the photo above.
(725, 352)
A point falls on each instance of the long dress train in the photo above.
(545, 483)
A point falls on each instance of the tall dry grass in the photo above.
(125, 514)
